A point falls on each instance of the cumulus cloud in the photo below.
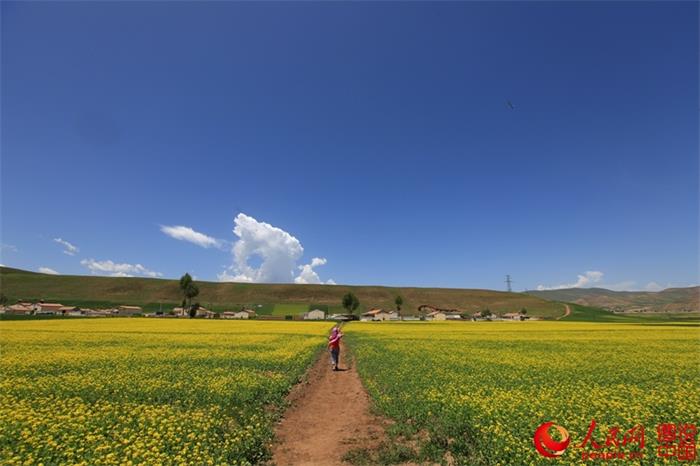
(184, 233)
(588, 278)
(276, 250)
(114, 269)
(47, 270)
(68, 248)
(309, 276)
(653, 286)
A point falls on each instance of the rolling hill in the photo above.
(668, 300)
(93, 291)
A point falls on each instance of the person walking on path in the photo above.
(334, 346)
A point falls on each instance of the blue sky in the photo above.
(363, 143)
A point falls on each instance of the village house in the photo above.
(443, 315)
(201, 312)
(129, 310)
(72, 311)
(242, 314)
(515, 316)
(19, 309)
(480, 316)
(315, 314)
(379, 314)
(47, 308)
(343, 317)
(436, 315)
(205, 313)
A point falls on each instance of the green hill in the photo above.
(669, 300)
(92, 291)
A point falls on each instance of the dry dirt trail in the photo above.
(329, 415)
(566, 313)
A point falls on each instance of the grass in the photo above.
(591, 314)
(289, 309)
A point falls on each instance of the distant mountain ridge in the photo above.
(150, 293)
(668, 300)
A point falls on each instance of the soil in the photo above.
(566, 313)
(329, 415)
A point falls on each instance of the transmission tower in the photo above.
(509, 282)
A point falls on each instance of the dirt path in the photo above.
(566, 313)
(329, 415)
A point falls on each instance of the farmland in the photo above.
(108, 391)
(114, 391)
(477, 392)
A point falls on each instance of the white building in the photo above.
(242, 314)
(315, 314)
(379, 314)
(47, 308)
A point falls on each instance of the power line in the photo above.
(509, 282)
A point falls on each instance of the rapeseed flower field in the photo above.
(140, 391)
(476, 392)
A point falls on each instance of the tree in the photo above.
(523, 311)
(3, 299)
(399, 302)
(189, 290)
(486, 313)
(193, 310)
(350, 302)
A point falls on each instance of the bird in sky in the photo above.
(510, 105)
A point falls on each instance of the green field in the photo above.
(150, 293)
(476, 392)
(592, 314)
(290, 309)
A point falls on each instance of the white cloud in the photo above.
(277, 250)
(226, 276)
(627, 285)
(584, 281)
(118, 270)
(8, 247)
(68, 248)
(308, 275)
(594, 278)
(47, 270)
(653, 286)
(184, 233)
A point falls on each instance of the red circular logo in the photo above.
(546, 445)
